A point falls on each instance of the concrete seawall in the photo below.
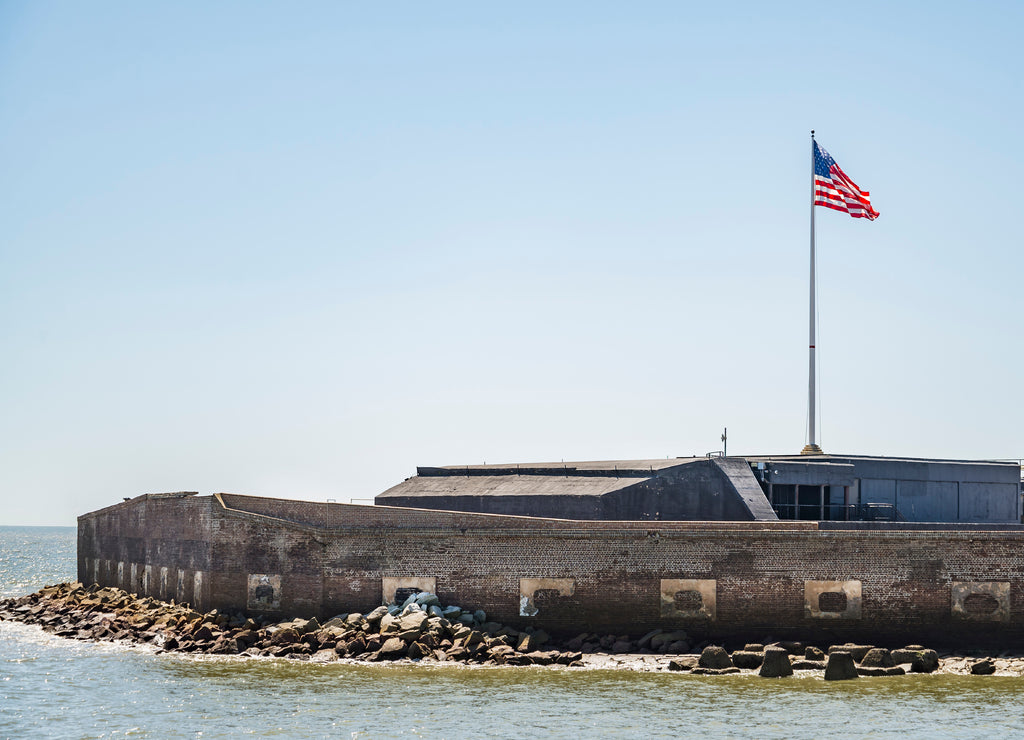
(720, 579)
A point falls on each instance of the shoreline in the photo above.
(422, 632)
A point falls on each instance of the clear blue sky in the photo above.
(298, 249)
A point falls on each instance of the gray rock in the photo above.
(666, 638)
(426, 599)
(479, 616)
(747, 659)
(644, 641)
(622, 646)
(840, 666)
(451, 613)
(926, 661)
(776, 663)
(753, 647)
(715, 657)
(435, 611)
(983, 667)
(877, 658)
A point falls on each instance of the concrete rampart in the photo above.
(787, 579)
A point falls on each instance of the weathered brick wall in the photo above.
(157, 545)
(329, 559)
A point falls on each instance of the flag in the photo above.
(834, 189)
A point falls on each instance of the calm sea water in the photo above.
(51, 687)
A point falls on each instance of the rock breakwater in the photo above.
(422, 629)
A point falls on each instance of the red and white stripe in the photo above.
(840, 193)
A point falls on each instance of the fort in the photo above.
(811, 547)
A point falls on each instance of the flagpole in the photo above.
(812, 447)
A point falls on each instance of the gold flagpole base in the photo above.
(811, 450)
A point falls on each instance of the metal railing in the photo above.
(839, 512)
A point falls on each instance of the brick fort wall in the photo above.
(715, 579)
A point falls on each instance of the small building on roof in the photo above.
(754, 488)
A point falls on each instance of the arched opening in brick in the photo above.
(832, 601)
(688, 601)
(980, 605)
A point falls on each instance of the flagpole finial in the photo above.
(812, 133)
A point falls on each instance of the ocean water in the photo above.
(52, 687)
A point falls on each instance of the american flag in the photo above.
(834, 189)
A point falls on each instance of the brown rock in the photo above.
(926, 661)
(418, 650)
(983, 667)
(813, 653)
(877, 658)
(747, 659)
(682, 664)
(393, 648)
(699, 671)
(776, 663)
(840, 666)
(285, 636)
(715, 657)
(569, 658)
(534, 641)
(247, 637)
(499, 653)
(857, 651)
(880, 671)
(539, 657)
(457, 653)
